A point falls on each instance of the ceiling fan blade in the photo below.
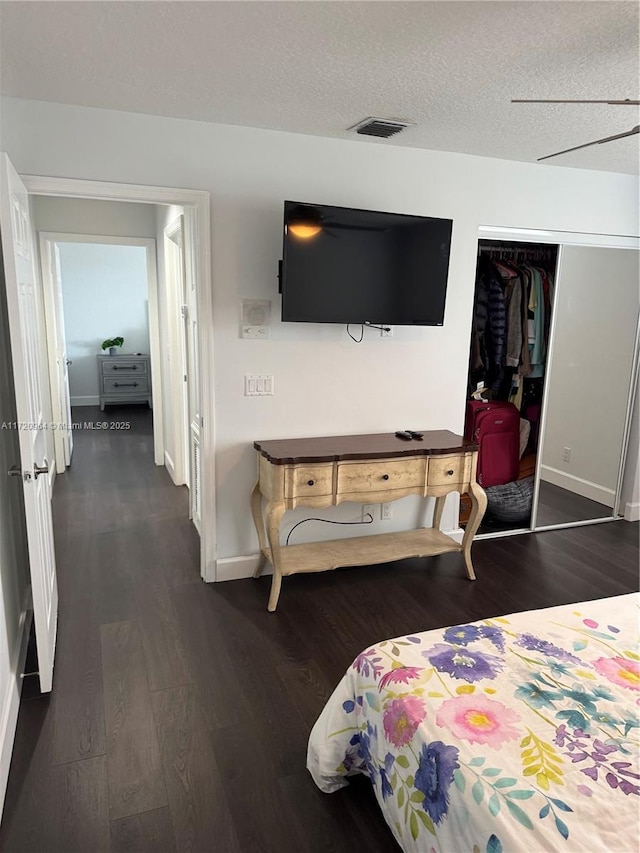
(631, 132)
(626, 101)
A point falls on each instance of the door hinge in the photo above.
(184, 312)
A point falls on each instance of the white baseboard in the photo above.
(578, 486)
(170, 466)
(238, 568)
(11, 699)
(85, 401)
(632, 511)
(457, 533)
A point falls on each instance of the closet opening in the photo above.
(508, 361)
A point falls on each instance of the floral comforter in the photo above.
(515, 733)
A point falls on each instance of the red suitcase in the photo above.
(495, 427)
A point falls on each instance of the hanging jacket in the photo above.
(492, 343)
(536, 303)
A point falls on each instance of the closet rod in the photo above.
(513, 252)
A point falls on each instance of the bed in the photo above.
(512, 733)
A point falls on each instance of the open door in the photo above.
(22, 305)
(58, 358)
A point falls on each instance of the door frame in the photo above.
(196, 206)
(51, 318)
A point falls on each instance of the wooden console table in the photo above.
(321, 472)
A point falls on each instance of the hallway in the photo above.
(180, 711)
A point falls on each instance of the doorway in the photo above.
(589, 368)
(99, 288)
(194, 205)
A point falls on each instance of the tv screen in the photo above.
(342, 265)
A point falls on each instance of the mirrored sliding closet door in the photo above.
(588, 386)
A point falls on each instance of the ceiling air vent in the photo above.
(383, 128)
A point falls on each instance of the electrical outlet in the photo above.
(368, 510)
(255, 333)
(385, 511)
(566, 454)
(385, 334)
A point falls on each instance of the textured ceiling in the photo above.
(320, 67)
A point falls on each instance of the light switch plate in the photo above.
(258, 385)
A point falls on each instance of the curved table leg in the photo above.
(258, 520)
(437, 511)
(478, 507)
(275, 511)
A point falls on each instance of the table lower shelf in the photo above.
(363, 550)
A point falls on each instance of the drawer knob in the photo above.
(451, 472)
(310, 482)
(385, 476)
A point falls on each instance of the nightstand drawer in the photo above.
(449, 469)
(115, 366)
(128, 384)
(381, 475)
(308, 480)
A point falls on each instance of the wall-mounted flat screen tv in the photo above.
(342, 265)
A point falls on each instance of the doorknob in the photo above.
(68, 361)
(40, 469)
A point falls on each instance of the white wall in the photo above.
(596, 319)
(104, 293)
(84, 216)
(325, 384)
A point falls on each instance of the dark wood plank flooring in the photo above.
(555, 506)
(180, 711)
(559, 506)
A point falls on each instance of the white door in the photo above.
(22, 305)
(177, 426)
(57, 346)
(193, 367)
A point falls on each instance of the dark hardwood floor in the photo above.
(559, 506)
(180, 711)
(555, 506)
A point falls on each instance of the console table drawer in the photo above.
(443, 470)
(125, 385)
(383, 475)
(114, 366)
(308, 480)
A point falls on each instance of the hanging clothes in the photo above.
(536, 325)
(511, 323)
(489, 326)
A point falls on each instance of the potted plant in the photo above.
(112, 344)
